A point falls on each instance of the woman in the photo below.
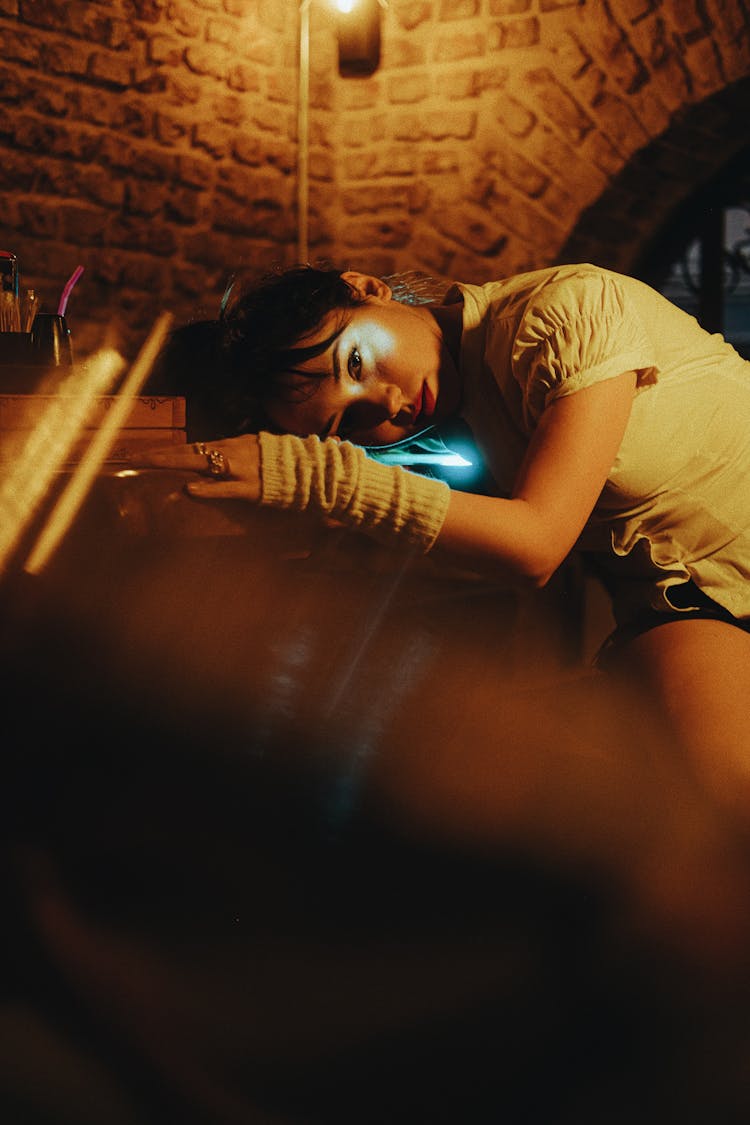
(608, 418)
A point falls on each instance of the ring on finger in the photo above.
(217, 464)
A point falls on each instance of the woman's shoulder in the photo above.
(560, 291)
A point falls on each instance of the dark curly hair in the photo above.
(231, 368)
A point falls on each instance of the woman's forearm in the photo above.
(508, 534)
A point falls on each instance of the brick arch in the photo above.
(156, 143)
(653, 207)
(502, 135)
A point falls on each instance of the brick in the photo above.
(184, 21)
(728, 19)
(182, 206)
(243, 77)
(690, 20)
(409, 88)
(182, 90)
(188, 281)
(145, 274)
(509, 7)
(96, 185)
(194, 171)
(257, 222)
(46, 13)
(459, 124)
(93, 25)
(114, 154)
(635, 10)
(48, 100)
(458, 9)
(144, 198)
(514, 34)
(573, 56)
(168, 130)
(357, 201)
(215, 140)
(471, 229)
(221, 31)
(145, 11)
(263, 49)
(618, 121)
(70, 59)
(148, 80)
(229, 109)
(650, 111)
(321, 94)
(380, 232)
(403, 53)
(412, 13)
(212, 60)
(322, 166)
(603, 153)
(247, 149)
(282, 87)
(442, 162)
(152, 164)
(131, 233)
(364, 95)
(455, 47)
(164, 49)
(271, 14)
(133, 118)
(38, 222)
(110, 69)
(705, 65)
(83, 226)
(515, 117)
(18, 47)
(523, 174)
(236, 182)
(558, 104)
(18, 172)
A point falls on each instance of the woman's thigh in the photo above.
(698, 673)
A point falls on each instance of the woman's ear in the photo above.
(365, 285)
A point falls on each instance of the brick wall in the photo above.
(154, 141)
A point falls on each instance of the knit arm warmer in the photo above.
(338, 479)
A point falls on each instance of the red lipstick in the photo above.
(427, 402)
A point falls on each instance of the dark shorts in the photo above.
(697, 605)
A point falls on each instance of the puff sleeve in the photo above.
(575, 332)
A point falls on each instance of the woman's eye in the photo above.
(354, 364)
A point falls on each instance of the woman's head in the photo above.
(312, 350)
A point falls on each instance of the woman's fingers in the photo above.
(223, 490)
(173, 457)
(231, 467)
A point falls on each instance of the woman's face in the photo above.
(386, 374)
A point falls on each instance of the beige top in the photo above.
(676, 504)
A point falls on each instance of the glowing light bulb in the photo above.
(346, 6)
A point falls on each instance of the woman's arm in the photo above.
(565, 468)
(527, 536)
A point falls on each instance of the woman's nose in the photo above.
(391, 399)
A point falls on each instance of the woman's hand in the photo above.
(226, 470)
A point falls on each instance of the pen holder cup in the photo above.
(50, 340)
